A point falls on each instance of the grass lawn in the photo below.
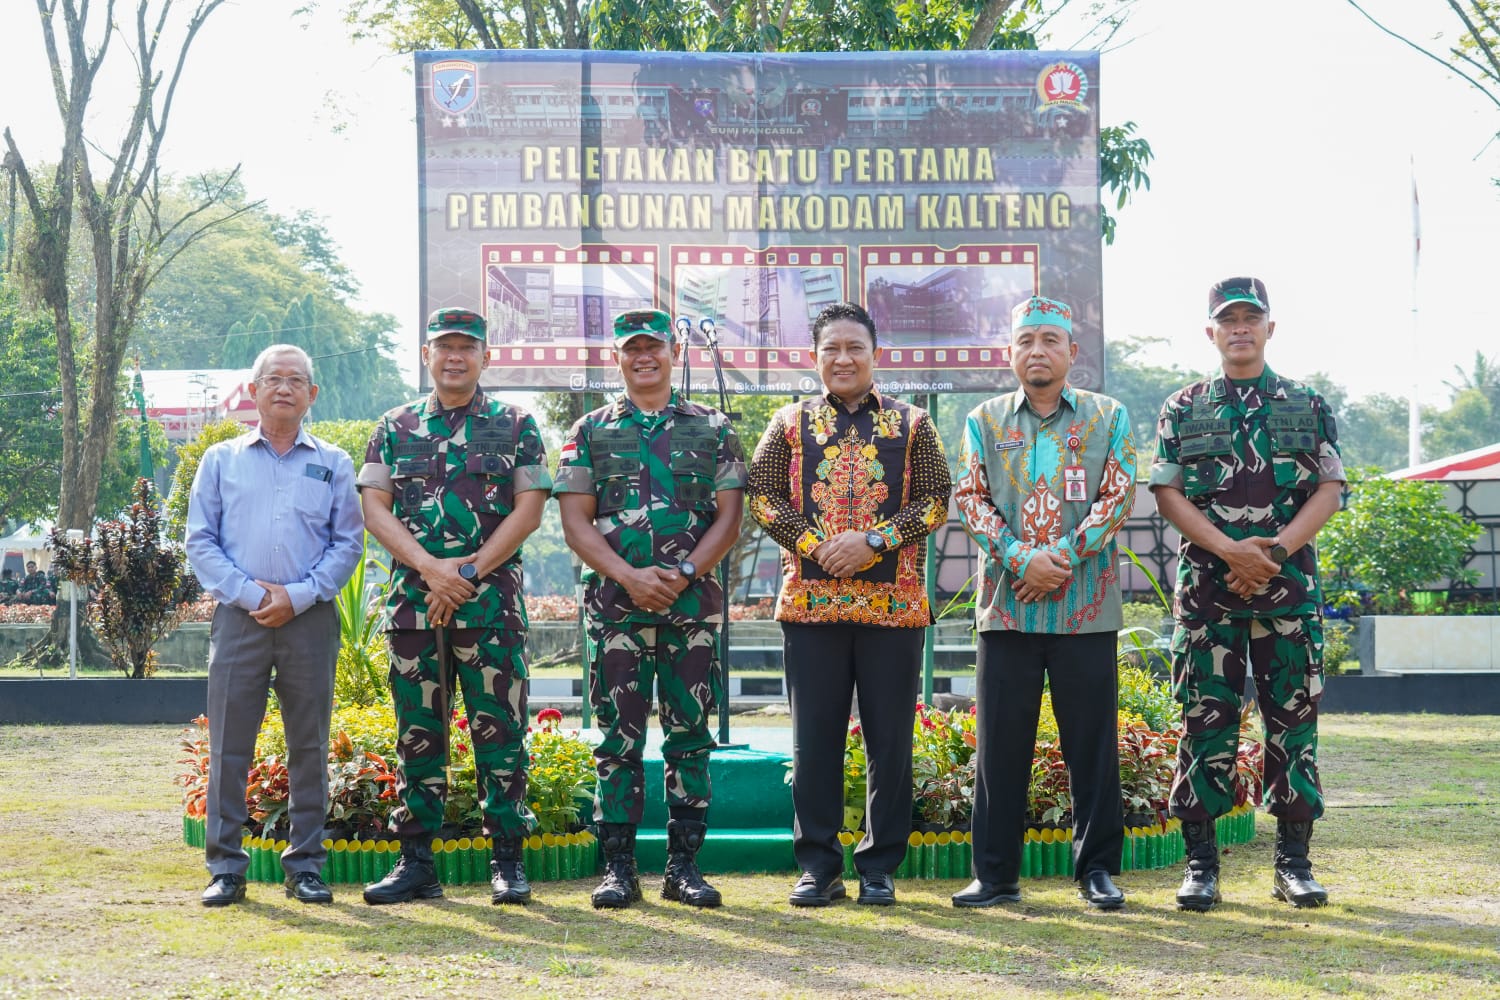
(98, 898)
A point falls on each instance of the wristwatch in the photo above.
(1278, 554)
(687, 569)
(468, 571)
(875, 540)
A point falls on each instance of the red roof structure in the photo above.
(1481, 463)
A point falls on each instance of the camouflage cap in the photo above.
(464, 321)
(1231, 290)
(652, 322)
(1037, 311)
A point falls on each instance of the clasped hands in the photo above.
(1047, 571)
(654, 588)
(844, 554)
(275, 606)
(1250, 565)
(446, 590)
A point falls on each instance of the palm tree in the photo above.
(1485, 376)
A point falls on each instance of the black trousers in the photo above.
(826, 666)
(1085, 699)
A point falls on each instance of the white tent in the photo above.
(29, 542)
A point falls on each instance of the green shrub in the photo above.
(1337, 648)
(1395, 537)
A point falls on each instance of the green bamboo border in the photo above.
(462, 861)
(950, 853)
(551, 857)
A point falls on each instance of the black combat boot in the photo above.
(1200, 883)
(1294, 882)
(683, 882)
(622, 883)
(414, 877)
(507, 874)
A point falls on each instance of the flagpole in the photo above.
(1413, 417)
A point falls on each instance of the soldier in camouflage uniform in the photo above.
(651, 489)
(9, 587)
(35, 588)
(452, 485)
(1247, 469)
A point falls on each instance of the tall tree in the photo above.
(127, 233)
(30, 431)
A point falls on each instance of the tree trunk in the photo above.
(51, 651)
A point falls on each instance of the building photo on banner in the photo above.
(744, 193)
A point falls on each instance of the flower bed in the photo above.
(561, 779)
(362, 792)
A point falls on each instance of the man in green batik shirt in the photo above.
(1047, 477)
(1247, 469)
(651, 489)
(452, 485)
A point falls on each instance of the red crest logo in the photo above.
(1062, 84)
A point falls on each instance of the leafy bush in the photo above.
(1395, 537)
(942, 765)
(140, 583)
(349, 436)
(1144, 697)
(1336, 646)
(1147, 761)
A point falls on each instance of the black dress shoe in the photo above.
(1099, 891)
(813, 889)
(981, 893)
(308, 887)
(223, 890)
(876, 889)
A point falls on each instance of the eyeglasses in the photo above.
(293, 382)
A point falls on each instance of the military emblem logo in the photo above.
(455, 85)
(1061, 85)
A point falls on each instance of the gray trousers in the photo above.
(245, 660)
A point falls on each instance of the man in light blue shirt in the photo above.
(274, 532)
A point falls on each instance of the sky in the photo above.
(1284, 132)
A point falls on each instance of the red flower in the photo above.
(463, 724)
(549, 715)
(462, 747)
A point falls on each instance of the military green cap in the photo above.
(652, 322)
(464, 321)
(1231, 290)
